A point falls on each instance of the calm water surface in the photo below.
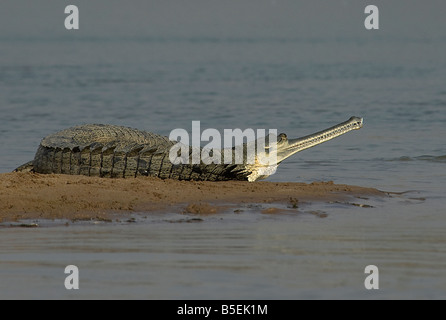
(297, 84)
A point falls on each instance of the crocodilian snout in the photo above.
(288, 147)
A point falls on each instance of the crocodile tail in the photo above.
(27, 167)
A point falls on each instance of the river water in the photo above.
(249, 65)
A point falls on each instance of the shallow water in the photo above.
(273, 76)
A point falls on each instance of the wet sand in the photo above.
(37, 196)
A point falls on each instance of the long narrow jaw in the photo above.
(288, 147)
(267, 162)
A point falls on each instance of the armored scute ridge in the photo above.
(121, 152)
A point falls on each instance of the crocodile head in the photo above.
(266, 161)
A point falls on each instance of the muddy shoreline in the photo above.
(37, 196)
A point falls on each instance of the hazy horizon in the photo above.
(233, 18)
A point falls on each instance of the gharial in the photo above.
(116, 151)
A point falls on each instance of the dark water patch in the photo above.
(427, 103)
(23, 225)
(361, 205)
(317, 213)
(441, 159)
(410, 197)
(403, 159)
(189, 220)
(428, 158)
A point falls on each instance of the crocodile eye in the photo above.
(281, 137)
